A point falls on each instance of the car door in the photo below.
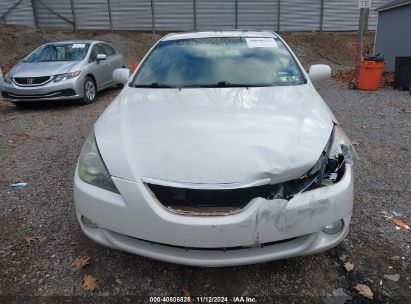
(115, 59)
(101, 69)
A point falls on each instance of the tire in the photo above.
(352, 85)
(89, 91)
(119, 86)
(409, 90)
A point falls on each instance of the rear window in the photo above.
(214, 62)
(59, 52)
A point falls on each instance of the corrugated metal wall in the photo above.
(47, 19)
(344, 16)
(131, 14)
(21, 14)
(184, 15)
(393, 35)
(215, 14)
(259, 14)
(174, 15)
(300, 14)
(92, 14)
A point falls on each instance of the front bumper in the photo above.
(63, 90)
(264, 230)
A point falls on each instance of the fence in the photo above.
(185, 15)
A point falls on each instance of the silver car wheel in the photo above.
(90, 90)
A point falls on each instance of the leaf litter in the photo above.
(365, 291)
(89, 282)
(81, 262)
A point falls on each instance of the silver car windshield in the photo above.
(59, 52)
(219, 62)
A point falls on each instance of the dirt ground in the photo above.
(40, 237)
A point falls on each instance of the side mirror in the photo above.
(101, 57)
(121, 75)
(319, 72)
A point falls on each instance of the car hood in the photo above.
(214, 135)
(38, 69)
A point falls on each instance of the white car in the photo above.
(218, 152)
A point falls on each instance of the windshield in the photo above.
(219, 62)
(59, 52)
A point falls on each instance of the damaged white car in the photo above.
(219, 151)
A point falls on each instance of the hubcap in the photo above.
(90, 90)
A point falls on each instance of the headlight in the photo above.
(340, 153)
(341, 140)
(91, 168)
(66, 76)
(7, 78)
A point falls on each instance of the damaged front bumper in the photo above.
(264, 230)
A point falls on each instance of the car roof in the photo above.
(76, 41)
(219, 34)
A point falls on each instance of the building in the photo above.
(393, 37)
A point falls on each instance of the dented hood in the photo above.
(214, 135)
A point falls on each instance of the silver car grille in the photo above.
(31, 81)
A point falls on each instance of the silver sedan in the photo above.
(62, 70)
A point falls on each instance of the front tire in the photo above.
(90, 91)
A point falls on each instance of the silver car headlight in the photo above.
(65, 76)
(91, 167)
(7, 78)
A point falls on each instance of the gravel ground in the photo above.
(40, 145)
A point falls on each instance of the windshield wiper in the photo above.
(154, 85)
(227, 84)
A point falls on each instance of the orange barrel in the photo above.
(370, 75)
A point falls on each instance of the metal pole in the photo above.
(236, 14)
(367, 14)
(195, 14)
(109, 15)
(33, 6)
(322, 16)
(360, 41)
(73, 12)
(279, 15)
(153, 16)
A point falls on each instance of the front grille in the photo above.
(209, 201)
(199, 198)
(29, 81)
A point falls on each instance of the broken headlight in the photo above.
(91, 167)
(338, 152)
(329, 168)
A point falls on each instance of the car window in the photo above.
(109, 50)
(217, 61)
(97, 49)
(59, 52)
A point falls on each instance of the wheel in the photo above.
(90, 91)
(352, 85)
